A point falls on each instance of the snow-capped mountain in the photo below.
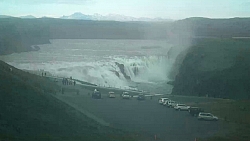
(78, 15)
(110, 17)
(27, 17)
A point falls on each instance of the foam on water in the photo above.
(89, 61)
(150, 69)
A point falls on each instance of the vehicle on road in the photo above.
(194, 111)
(171, 104)
(96, 94)
(166, 102)
(181, 107)
(141, 97)
(207, 116)
(162, 100)
(111, 95)
(126, 95)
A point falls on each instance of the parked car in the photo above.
(126, 95)
(141, 97)
(166, 102)
(96, 94)
(181, 107)
(171, 103)
(194, 111)
(162, 100)
(111, 95)
(207, 116)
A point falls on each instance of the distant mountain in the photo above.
(79, 16)
(110, 17)
(46, 17)
(4, 16)
(27, 17)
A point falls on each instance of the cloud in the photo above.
(46, 1)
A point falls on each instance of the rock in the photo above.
(116, 73)
(121, 67)
(135, 71)
(170, 82)
(35, 48)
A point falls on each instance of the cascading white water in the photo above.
(150, 69)
(147, 68)
(96, 61)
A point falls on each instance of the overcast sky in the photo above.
(173, 9)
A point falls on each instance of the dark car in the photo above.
(96, 95)
(141, 97)
(194, 111)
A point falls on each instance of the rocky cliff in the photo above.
(215, 68)
(17, 35)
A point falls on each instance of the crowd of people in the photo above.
(66, 81)
(44, 74)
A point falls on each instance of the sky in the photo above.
(171, 9)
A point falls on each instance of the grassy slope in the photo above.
(219, 68)
(28, 112)
(234, 114)
(236, 118)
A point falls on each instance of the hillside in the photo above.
(204, 27)
(217, 68)
(29, 112)
(17, 35)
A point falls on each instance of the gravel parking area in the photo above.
(147, 116)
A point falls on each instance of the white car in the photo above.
(111, 95)
(181, 107)
(207, 116)
(171, 103)
(126, 95)
(162, 100)
(166, 102)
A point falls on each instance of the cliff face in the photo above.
(121, 67)
(17, 35)
(217, 68)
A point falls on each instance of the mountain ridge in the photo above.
(110, 17)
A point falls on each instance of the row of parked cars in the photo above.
(125, 95)
(194, 111)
